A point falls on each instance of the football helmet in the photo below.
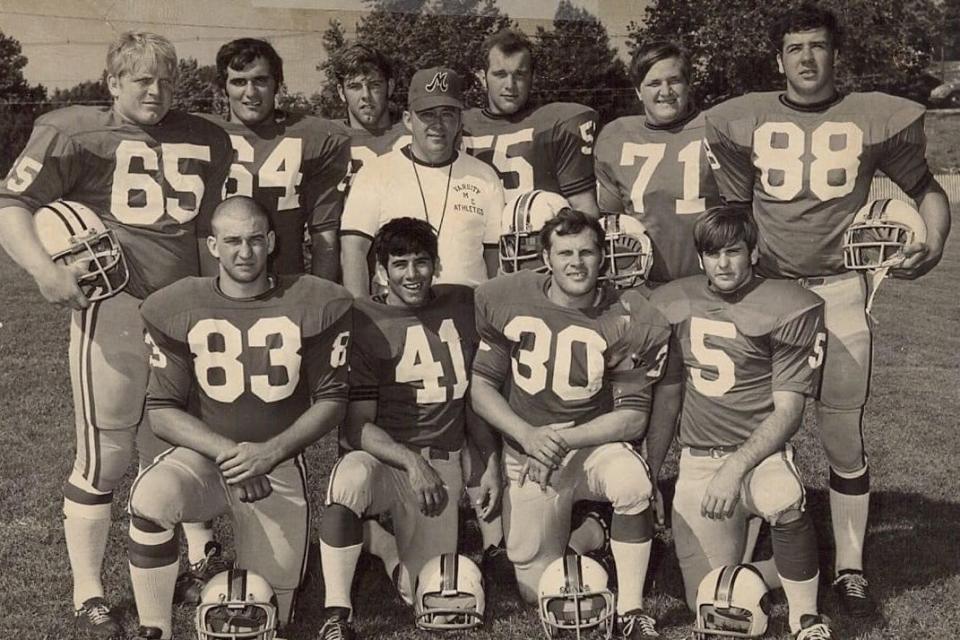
(76, 237)
(573, 596)
(520, 224)
(878, 233)
(239, 605)
(629, 252)
(732, 601)
(449, 594)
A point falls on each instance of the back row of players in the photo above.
(804, 157)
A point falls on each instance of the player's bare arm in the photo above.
(546, 443)
(662, 425)
(325, 254)
(491, 481)
(620, 425)
(723, 492)
(18, 238)
(921, 257)
(585, 201)
(362, 431)
(353, 259)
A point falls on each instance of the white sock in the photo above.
(589, 536)
(198, 534)
(338, 565)
(849, 516)
(153, 592)
(86, 528)
(632, 559)
(801, 599)
(768, 569)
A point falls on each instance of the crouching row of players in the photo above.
(561, 366)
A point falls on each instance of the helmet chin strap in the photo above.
(876, 277)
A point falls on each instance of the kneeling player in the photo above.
(564, 372)
(407, 419)
(752, 350)
(254, 350)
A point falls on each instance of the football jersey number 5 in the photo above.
(516, 173)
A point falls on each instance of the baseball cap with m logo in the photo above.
(435, 87)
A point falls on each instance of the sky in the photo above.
(65, 40)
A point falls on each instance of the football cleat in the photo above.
(148, 633)
(190, 582)
(520, 223)
(95, 619)
(853, 595)
(337, 625)
(75, 237)
(732, 601)
(635, 625)
(813, 628)
(879, 232)
(628, 254)
(573, 595)
(237, 605)
(449, 594)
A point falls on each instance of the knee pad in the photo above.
(158, 499)
(109, 460)
(350, 482)
(841, 433)
(774, 503)
(627, 485)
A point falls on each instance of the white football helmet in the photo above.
(76, 237)
(520, 225)
(574, 596)
(628, 252)
(239, 605)
(732, 601)
(449, 594)
(878, 233)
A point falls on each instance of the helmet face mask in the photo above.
(574, 596)
(76, 238)
(628, 254)
(237, 605)
(449, 594)
(878, 233)
(734, 602)
(521, 222)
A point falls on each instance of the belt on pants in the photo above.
(430, 453)
(816, 281)
(712, 452)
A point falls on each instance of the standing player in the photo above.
(406, 421)
(291, 164)
(457, 194)
(247, 369)
(805, 158)
(148, 172)
(564, 373)
(549, 147)
(751, 351)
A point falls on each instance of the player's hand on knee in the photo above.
(918, 260)
(58, 285)
(722, 494)
(246, 460)
(546, 443)
(534, 471)
(429, 488)
(491, 485)
(253, 489)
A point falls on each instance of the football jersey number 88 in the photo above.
(833, 171)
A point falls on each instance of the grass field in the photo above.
(913, 550)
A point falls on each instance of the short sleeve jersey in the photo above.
(248, 368)
(414, 362)
(557, 364)
(147, 183)
(661, 177)
(550, 147)
(365, 146)
(738, 349)
(461, 199)
(293, 166)
(808, 171)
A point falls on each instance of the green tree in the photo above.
(575, 63)
(887, 47)
(20, 103)
(196, 89)
(87, 92)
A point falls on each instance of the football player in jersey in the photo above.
(247, 369)
(407, 421)
(148, 172)
(291, 164)
(751, 351)
(564, 372)
(805, 158)
(548, 147)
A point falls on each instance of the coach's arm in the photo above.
(353, 260)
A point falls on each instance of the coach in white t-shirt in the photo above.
(428, 179)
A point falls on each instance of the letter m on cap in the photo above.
(439, 81)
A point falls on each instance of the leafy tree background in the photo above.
(20, 103)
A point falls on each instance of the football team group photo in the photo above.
(475, 359)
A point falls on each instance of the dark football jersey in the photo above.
(809, 171)
(365, 146)
(248, 368)
(147, 183)
(557, 364)
(293, 166)
(737, 350)
(548, 148)
(414, 362)
(661, 177)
